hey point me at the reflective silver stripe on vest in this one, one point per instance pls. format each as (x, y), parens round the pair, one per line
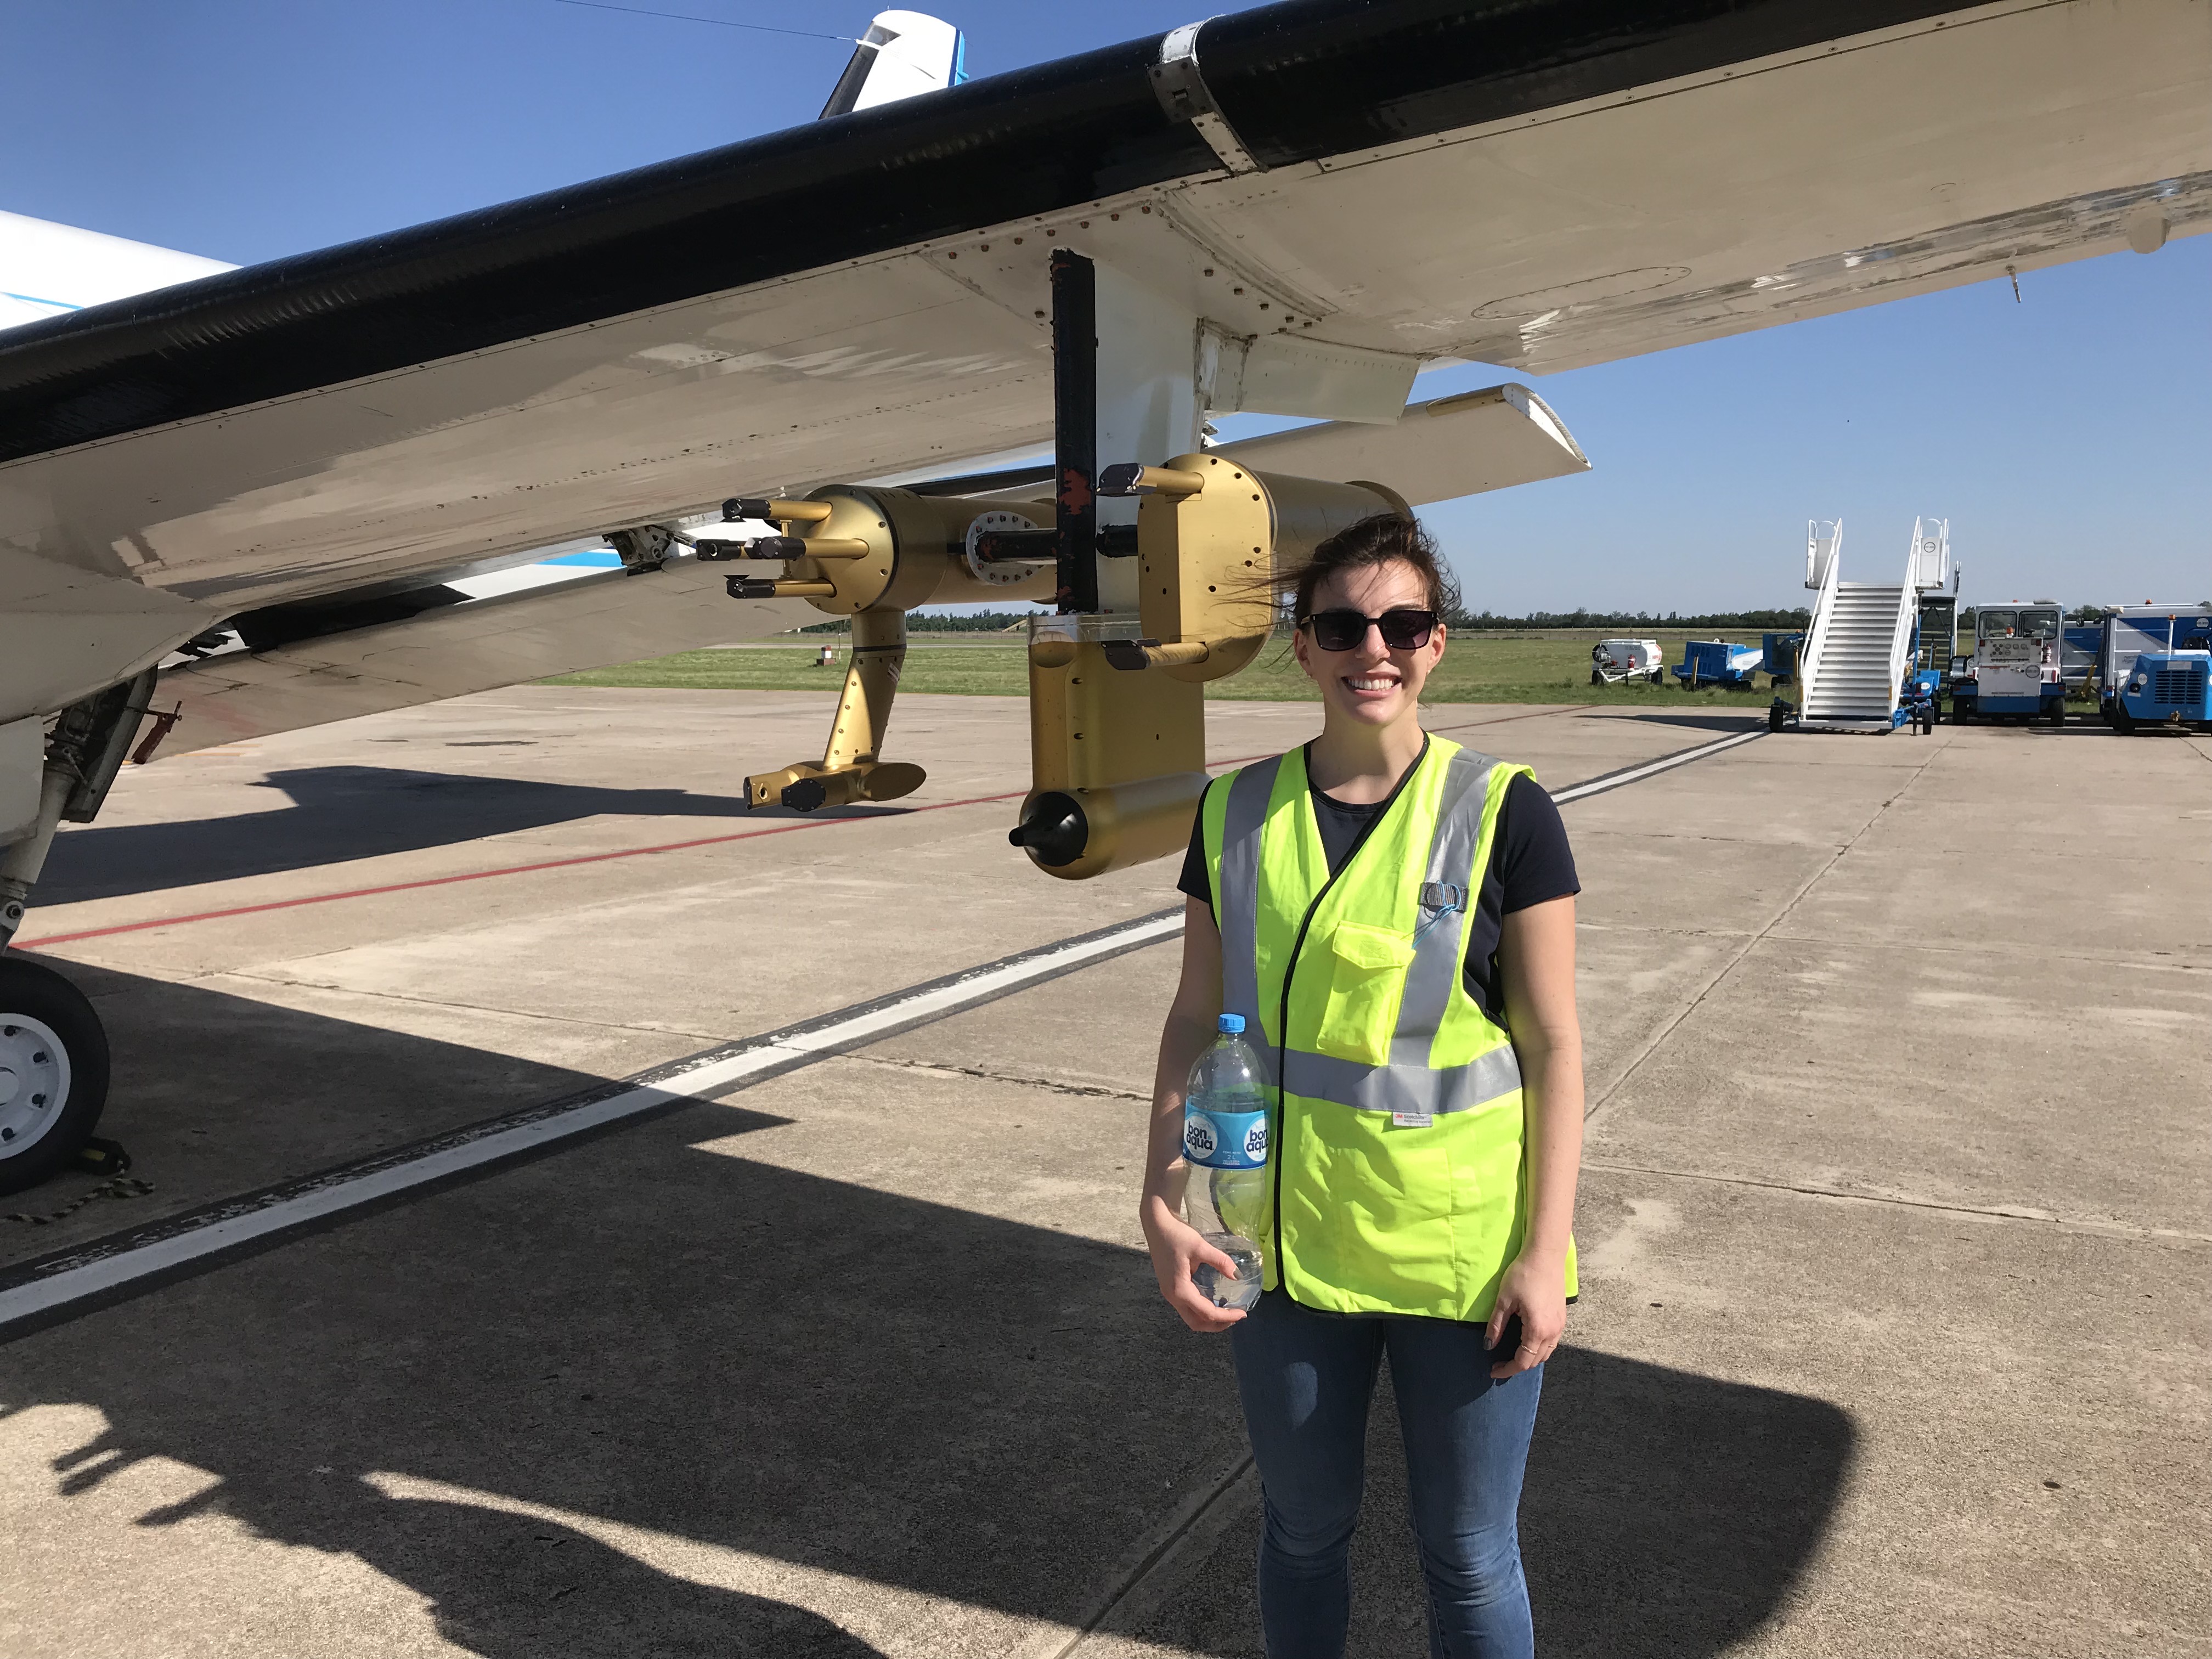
(1435, 969)
(1249, 791)
(1402, 1088)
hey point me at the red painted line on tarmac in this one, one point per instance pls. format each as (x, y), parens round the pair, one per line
(569, 863)
(483, 875)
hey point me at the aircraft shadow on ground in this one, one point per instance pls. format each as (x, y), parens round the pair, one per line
(1718, 722)
(856, 1392)
(341, 812)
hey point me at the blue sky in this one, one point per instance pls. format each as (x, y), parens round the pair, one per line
(2065, 435)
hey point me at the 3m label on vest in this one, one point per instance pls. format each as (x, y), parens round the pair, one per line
(1412, 1119)
(1224, 1141)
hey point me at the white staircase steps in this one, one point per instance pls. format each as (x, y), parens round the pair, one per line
(1851, 677)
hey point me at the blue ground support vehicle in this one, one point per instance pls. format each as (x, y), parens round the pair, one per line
(1778, 655)
(2154, 667)
(2015, 672)
(1716, 662)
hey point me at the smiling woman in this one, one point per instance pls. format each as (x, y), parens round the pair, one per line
(1426, 1127)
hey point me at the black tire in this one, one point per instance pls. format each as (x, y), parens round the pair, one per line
(1596, 679)
(1774, 717)
(51, 1044)
(2057, 714)
(2122, 722)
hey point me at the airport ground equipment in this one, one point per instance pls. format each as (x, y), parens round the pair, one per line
(1717, 662)
(1934, 646)
(2078, 648)
(2166, 690)
(2132, 636)
(1778, 656)
(1613, 661)
(1859, 670)
(2015, 672)
(2152, 667)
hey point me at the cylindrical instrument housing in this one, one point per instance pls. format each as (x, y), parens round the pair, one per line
(1212, 560)
(894, 549)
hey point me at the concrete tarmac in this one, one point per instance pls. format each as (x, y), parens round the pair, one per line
(1894, 1220)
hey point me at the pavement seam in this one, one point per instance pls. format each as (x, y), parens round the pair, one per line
(1752, 944)
(1151, 1558)
(470, 1007)
(1994, 1212)
(1047, 1084)
(1891, 947)
(1888, 947)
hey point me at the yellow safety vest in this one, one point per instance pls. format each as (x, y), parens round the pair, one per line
(1397, 1180)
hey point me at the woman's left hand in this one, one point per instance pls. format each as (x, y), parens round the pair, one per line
(1536, 1291)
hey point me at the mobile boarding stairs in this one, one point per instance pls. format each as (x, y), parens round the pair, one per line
(1859, 652)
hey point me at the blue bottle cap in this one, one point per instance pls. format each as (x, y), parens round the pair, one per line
(1232, 1024)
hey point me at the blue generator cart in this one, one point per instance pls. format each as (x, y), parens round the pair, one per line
(2154, 668)
(1716, 662)
(1778, 655)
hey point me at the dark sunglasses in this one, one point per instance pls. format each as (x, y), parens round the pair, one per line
(1405, 629)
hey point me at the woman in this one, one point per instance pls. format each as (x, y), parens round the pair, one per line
(1394, 917)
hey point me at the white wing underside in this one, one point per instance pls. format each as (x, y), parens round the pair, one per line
(1889, 164)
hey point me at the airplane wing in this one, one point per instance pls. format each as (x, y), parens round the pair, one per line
(1342, 193)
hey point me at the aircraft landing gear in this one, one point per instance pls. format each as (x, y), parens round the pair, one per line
(53, 1049)
(53, 1072)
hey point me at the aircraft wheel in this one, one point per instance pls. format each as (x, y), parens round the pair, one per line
(53, 1072)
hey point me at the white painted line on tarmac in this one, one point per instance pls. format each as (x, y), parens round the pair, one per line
(1652, 768)
(39, 1291)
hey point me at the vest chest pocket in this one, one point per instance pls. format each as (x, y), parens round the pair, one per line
(1366, 982)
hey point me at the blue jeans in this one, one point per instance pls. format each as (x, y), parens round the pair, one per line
(1306, 1378)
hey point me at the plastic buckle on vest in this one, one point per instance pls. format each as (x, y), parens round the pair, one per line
(1442, 898)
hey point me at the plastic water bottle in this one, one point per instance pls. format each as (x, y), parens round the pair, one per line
(1224, 1142)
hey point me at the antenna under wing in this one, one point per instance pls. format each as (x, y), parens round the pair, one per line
(904, 53)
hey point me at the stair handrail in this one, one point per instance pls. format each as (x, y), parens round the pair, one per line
(1824, 605)
(1908, 613)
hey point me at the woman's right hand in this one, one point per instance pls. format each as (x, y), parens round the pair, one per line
(1177, 1249)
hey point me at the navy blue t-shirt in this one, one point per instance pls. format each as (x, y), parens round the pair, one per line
(1530, 863)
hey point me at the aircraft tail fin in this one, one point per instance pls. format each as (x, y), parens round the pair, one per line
(904, 53)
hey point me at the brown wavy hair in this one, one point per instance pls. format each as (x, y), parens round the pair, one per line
(1382, 538)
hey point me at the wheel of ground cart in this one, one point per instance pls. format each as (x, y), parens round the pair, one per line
(1774, 718)
(2122, 722)
(53, 1072)
(1596, 679)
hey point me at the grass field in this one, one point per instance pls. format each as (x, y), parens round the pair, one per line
(1476, 668)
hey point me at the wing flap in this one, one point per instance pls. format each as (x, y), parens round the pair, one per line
(1436, 452)
(587, 623)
